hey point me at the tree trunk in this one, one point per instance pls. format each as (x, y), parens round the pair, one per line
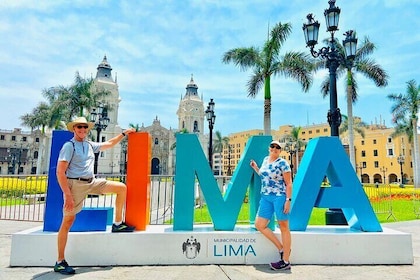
(416, 157)
(267, 106)
(350, 126)
(267, 117)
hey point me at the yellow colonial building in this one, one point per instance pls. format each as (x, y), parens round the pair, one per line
(379, 158)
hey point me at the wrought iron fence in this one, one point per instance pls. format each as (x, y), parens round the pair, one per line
(22, 197)
(416, 202)
(381, 199)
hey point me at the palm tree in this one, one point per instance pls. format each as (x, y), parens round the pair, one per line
(58, 112)
(403, 126)
(294, 143)
(406, 107)
(135, 126)
(294, 135)
(349, 67)
(63, 103)
(28, 120)
(38, 118)
(358, 125)
(268, 62)
(77, 99)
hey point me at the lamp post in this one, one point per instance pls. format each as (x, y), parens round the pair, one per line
(401, 160)
(333, 59)
(123, 159)
(360, 166)
(291, 149)
(99, 116)
(229, 171)
(332, 56)
(384, 170)
(211, 117)
(112, 165)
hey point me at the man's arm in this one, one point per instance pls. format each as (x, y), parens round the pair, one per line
(64, 185)
(115, 140)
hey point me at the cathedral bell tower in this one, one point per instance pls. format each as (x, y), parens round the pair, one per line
(109, 160)
(191, 110)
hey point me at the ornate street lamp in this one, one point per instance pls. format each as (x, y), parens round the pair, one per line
(229, 171)
(333, 59)
(401, 160)
(360, 166)
(384, 170)
(292, 150)
(332, 56)
(211, 118)
(123, 159)
(99, 116)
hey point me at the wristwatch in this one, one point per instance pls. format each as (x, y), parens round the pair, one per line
(288, 199)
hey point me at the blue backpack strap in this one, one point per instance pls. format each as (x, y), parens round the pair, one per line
(74, 149)
(90, 144)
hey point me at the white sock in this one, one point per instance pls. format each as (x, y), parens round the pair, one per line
(118, 223)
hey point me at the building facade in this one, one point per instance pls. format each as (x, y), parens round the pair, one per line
(380, 158)
(163, 140)
(24, 152)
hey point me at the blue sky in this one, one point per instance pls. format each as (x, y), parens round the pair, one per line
(155, 46)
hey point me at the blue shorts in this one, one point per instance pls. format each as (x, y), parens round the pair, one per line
(270, 204)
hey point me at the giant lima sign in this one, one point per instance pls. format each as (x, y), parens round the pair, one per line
(324, 156)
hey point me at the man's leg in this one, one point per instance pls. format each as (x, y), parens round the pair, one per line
(63, 234)
(120, 190)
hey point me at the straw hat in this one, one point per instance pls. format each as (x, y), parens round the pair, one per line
(79, 120)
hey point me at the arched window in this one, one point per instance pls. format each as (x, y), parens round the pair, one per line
(196, 126)
(156, 141)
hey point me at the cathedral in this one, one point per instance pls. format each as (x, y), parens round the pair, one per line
(191, 116)
(25, 152)
(190, 119)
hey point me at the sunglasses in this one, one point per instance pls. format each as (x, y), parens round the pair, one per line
(275, 146)
(82, 126)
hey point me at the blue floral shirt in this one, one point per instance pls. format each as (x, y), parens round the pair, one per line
(271, 174)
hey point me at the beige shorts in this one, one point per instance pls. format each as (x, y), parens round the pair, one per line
(80, 189)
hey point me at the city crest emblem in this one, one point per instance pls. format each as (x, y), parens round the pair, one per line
(191, 248)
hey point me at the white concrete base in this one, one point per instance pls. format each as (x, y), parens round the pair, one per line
(160, 245)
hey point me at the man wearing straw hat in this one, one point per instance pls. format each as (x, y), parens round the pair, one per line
(76, 178)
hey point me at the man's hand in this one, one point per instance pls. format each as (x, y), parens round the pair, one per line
(68, 202)
(129, 130)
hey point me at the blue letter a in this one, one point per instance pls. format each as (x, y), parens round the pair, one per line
(326, 156)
